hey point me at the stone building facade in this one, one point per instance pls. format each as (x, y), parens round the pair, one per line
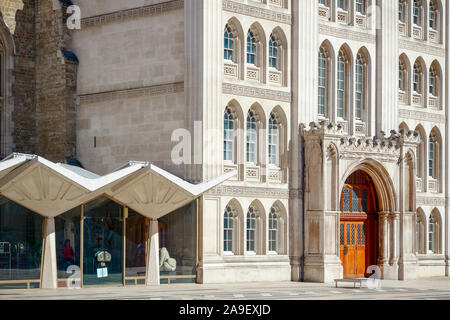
(333, 114)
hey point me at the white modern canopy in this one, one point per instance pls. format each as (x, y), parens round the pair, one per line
(51, 189)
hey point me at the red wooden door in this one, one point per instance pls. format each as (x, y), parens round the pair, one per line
(358, 228)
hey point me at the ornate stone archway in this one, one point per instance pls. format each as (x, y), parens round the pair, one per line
(331, 157)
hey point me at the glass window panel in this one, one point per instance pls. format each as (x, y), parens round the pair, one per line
(67, 232)
(20, 242)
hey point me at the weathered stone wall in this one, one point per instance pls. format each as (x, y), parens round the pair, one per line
(24, 84)
(44, 84)
(54, 104)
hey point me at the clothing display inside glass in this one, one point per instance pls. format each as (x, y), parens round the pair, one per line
(20, 242)
(67, 229)
(103, 242)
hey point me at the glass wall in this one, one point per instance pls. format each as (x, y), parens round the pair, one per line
(20, 245)
(103, 242)
(178, 245)
(136, 246)
(67, 229)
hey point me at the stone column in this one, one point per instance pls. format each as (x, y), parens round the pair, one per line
(394, 236)
(48, 265)
(152, 274)
(383, 240)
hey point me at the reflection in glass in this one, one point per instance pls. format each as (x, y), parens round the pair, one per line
(67, 229)
(103, 241)
(178, 244)
(20, 242)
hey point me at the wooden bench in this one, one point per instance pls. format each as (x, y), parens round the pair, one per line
(352, 280)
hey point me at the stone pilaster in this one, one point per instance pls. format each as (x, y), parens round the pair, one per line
(387, 60)
(49, 265)
(447, 137)
(303, 109)
(203, 87)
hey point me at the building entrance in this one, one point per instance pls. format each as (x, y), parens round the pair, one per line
(358, 225)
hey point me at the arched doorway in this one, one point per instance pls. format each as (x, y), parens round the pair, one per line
(358, 225)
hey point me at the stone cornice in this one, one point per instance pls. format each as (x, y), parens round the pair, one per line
(132, 93)
(256, 12)
(422, 47)
(252, 192)
(253, 92)
(421, 115)
(346, 34)
(144, 11)
(430, 201)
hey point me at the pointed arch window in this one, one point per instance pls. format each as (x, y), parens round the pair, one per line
(434, 14)
(228, 135)
(417, 12)
(417, 77)
(433, 88)
(273, 230)
(228, 230)
(273, 140)
(273, 53)
(359, 92)
(251, 138)
(432, 156)
(251, 230)
(323, 82)
(341, 84)
(420, 233)
(434, 234)
(251, 48)
(228, 53)
(401, 75)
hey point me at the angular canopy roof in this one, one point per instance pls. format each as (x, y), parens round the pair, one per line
(51, 189)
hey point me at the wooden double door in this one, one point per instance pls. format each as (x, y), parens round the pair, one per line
(358, 225)
(353, 248)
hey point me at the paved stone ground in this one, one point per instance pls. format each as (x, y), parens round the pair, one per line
(423, 289)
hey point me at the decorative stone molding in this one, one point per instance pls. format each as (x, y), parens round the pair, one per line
(383, 148)
(346, 34)
(251, 192)
(430, 201)
(421, 116)
(256, 12)
(144, 11)
(132, 93)
(421, 47)
(253, 92)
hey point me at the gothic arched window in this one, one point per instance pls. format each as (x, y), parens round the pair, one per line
(341, 84)
(433, 85)
(251, 230)
(360, 88)
(360, 6)
(431, 157)
(251, 48)
(273, 53)
(228, 135)
(434, 14)
(228, 230)
(401, 10)
(417, 77)
(417, 12)
(273, 140)
(273, 230)
(228, 53)
(401, 75)
(252, 150)
(323, 82)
